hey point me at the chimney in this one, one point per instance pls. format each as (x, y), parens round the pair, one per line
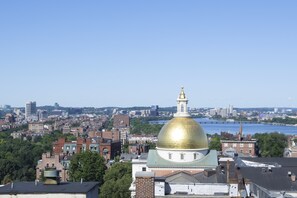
(48, 154)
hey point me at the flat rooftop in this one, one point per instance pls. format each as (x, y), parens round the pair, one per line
(41, 188)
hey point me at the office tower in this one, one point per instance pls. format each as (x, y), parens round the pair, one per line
(30, 109)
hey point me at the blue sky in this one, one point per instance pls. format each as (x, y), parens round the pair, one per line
(130, 53)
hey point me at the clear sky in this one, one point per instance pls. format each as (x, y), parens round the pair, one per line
(139, 53)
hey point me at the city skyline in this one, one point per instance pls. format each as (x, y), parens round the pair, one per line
(140, 53)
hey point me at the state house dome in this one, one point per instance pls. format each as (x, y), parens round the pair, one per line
(182, 132)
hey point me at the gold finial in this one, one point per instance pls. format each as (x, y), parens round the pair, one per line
(182, 94)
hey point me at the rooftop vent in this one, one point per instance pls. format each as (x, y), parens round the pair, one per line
(289, 173)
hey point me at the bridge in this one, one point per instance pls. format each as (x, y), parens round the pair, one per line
(225, 122)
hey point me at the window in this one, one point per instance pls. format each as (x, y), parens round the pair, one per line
(182, 156)
(169, 155)
(240, 151)
(241, 145)
(250, 145)
(143, 169)
(225, 144)
(250, 151)
(234, 145)
(182, 108)
(195, 155)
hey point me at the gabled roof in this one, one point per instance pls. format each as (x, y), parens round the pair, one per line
(181, 177)
(154, 160)
(184, 177)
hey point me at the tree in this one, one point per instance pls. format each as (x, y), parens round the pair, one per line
(89, 166)
(142, 126)
(18, 159)
(271, 144)
(215, 143)
(117, 181)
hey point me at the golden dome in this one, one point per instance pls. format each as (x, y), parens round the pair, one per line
(182, 133)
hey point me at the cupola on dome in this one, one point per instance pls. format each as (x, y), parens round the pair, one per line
(182, 132)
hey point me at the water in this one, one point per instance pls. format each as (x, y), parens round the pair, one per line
(216, 126)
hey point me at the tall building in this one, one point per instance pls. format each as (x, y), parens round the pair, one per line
(30, 109)
(154, 110)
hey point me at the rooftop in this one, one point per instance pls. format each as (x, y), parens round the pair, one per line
(40, 188)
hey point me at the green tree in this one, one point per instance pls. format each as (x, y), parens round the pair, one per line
(271, 144)
(117, 181)
(89, 166)
(142, 126)
(18, 159)
(215, 143)
(125, 147)
(152, 145)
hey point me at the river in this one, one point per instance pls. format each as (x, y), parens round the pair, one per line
(215, 126)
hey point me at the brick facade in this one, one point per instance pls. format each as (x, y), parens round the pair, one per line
(107, 148)
(247, 148)
(145, 185)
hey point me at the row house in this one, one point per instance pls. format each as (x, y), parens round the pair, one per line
(106, 147)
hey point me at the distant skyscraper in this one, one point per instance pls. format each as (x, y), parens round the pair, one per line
(56, 105)
(30, 109)
(154, 110)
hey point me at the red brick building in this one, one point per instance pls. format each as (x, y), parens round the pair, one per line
(106, 147)
(244, 148)
(113, 135)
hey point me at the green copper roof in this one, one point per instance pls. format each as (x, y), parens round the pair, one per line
(154, 160)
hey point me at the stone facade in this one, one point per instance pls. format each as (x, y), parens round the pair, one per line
(36, 127)
(50, 161)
